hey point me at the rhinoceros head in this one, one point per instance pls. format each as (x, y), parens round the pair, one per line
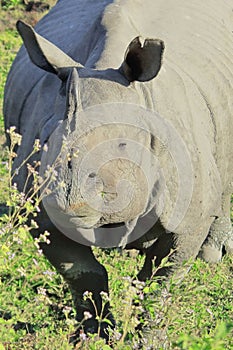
(102, 150)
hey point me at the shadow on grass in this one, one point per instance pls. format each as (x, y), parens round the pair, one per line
(3, 209)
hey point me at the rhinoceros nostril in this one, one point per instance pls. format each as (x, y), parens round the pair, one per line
(69, 164)
(152, 142)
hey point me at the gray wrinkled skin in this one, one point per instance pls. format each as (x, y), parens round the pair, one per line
(190, 85)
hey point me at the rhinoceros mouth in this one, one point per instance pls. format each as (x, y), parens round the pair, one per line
(119, 224)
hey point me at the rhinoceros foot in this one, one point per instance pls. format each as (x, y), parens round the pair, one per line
(219, 238)
(90, 326)
(228, 245)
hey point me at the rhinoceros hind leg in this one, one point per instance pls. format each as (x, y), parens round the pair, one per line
(219, 237)
(186, 246)
(228, 245)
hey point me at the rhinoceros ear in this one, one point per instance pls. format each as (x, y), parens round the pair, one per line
(42, 52)
(143, 63)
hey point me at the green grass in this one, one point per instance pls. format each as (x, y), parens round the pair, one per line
(35, 303)
(9, 45)
(12, 4)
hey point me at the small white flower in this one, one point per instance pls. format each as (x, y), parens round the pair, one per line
(34, 224)
(87, 315)
(87, 295)
(37, 209)
(22, 271)
(67, 310)
(82, 336)
(41, 291)
(104, 296)
(35, 262)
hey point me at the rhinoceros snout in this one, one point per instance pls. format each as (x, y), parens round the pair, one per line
(118, 191)
(114, 194)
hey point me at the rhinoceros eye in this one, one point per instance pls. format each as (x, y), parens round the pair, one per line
(122, 145)
(92, 175)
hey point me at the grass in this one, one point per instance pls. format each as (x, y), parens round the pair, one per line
(9, 45)
(35, 303)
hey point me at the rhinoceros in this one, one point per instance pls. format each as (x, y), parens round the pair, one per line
(136, 99)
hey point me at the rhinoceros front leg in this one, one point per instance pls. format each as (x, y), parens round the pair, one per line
(155, 254)
(83, 272)
(180, 247)
(220, 235)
